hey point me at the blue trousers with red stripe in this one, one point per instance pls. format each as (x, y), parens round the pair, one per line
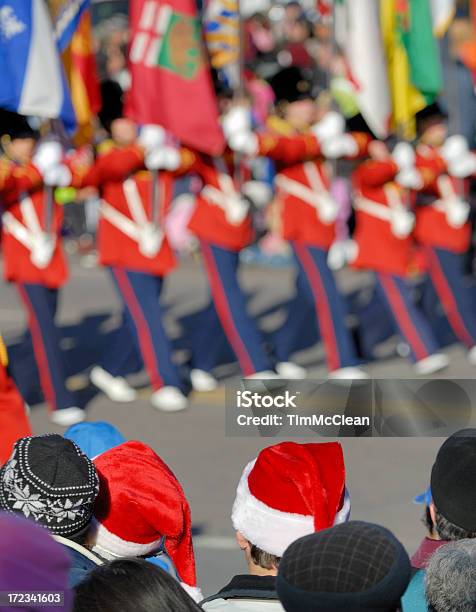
(140, 294)
(409, 320)
(41, 304)
(446, 270)
(329, 306)
(221, 266)
(299, 330)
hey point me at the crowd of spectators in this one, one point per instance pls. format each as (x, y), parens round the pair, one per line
(112, 527)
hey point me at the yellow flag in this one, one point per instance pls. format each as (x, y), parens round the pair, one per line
(406, 98)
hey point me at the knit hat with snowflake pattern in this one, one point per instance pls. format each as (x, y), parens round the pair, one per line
(51, 481)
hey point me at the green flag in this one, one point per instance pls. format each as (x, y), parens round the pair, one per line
(422, 50)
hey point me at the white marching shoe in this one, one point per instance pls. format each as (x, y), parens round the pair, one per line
(264, 375)
(349, 373)
(115, 388)
(290, 370)
(430, 365)
(472, 355)
(202, 380)
(68, 416)
(169, 399)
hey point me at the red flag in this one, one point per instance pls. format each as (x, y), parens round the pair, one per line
(171, 81)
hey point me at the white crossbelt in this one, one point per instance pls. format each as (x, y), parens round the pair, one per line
(234, 206)
(30, 234)
(316, 194)
(149, 236)
(401, 220)
(451, 204)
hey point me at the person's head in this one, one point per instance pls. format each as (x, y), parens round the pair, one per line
(352, 566)
(294, 95)
(124, 131)
(142, 509)
(51, 481)
(288, 491)
(131, 585)
(30, 560)
(450, 578)
(453, 506)
(432, 126)
(18, 137)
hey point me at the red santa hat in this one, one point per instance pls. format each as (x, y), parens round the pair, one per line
(289, 491)
(141, 506)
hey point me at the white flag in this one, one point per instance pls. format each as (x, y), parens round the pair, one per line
(442, 12)
(359, 35)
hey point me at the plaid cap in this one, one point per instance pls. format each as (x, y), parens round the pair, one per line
(352, 566)
(51, 481)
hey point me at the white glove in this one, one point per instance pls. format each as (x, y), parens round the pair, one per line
(341, 253)
(236, 120)
(330, 126)
(340, 146)
(402, 223)
(409, 178)
(151, 238)
(163, 158)
(151, 137)
(237, 210)
(463, 167)
(259, 192)
(57, 176)
(236, 126)
(47, 155)
(403, 155)
(457, 212)
(43, 249)
(455, 148)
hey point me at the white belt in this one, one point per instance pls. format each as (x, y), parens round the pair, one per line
(316, 195)
(31, 235)
(400, 219)
(149, 236)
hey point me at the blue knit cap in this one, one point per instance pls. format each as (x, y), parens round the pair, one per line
(94, 438)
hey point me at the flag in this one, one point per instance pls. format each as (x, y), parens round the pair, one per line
(412, 60)
(80, 65)
(222, 37)
(66, 16)
(442, 12)
(423, 52)
(171, 81)
(358, 33)
(33, 81)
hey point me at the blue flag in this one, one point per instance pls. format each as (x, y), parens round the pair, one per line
(32, 78)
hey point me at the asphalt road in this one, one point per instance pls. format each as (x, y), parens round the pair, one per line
(383, 474)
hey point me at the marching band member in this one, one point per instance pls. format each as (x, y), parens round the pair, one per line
(442, 221)
(33, 255)
(384, 244)
(133, 245)
(308, 210)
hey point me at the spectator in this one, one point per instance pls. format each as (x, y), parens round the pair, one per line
(289, 491)
(353, 567)
(452, 510)
(142, 510)
(131, 585)
(94, 438)
(22, 544)
(451, 578)
(50, 481)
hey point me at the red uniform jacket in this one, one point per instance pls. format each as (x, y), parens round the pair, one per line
(221, 215)
(30, 254)
(440, 195)
(379, 203)
(14, 422)
(126, 236)
(308, 210)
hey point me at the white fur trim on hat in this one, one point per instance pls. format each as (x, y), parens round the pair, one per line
(110, 546)
(269, 529)
(194, 592)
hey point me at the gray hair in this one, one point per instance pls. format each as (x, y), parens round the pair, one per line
(450, 579)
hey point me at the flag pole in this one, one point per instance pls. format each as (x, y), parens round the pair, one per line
(240, 90)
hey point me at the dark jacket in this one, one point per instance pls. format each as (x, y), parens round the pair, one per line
(245, 593)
